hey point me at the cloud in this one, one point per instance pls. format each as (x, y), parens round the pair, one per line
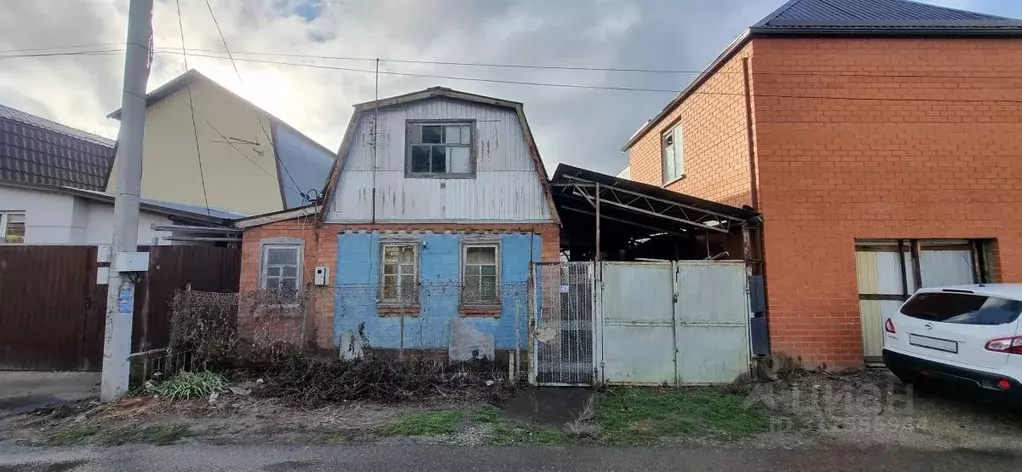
(580, 127)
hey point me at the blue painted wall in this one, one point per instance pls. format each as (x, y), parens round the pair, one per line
(356, 290)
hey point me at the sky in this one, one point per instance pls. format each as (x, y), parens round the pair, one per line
(585, 128)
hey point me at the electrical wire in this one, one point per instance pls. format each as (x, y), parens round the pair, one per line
(200, 52)
(64, 54)
(460, 64)
(633, 89)
(191, 107)
(59, 48)
(435, 76)
(259, 120)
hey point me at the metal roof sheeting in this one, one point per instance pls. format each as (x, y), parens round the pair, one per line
(38, 151)
(896, 14)
(301, 159)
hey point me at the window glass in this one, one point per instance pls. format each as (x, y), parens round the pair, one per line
(460, 158)
(12, 228)
(452, 134)
(399, 282)
(480, 275)
(439, 160)
(281, 272)
(432, 134)
(420, 159)
(962, 308)
(673, 165)
(282, 255)
(438, 150)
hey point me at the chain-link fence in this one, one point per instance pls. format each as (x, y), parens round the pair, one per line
(563, 331)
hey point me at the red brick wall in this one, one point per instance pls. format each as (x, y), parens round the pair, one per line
(715, 140)
(321, 250)
(831, 171)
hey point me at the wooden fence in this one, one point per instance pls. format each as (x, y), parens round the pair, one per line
(52, 311)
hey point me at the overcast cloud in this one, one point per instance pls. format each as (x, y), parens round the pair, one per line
(579, 127)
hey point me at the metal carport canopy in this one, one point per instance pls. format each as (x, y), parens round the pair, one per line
(642, 206)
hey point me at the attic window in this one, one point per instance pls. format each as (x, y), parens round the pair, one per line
(440, 149)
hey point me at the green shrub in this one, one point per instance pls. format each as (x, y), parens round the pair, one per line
(189, 385)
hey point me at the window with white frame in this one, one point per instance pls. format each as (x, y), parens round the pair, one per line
(399, 284)
(282, 274)
(480, 274)
(12, 227)
(440, 149)
(674, 154)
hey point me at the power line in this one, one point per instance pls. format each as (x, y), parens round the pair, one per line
(67, 53)
(195, 129)
(630, 89)
(464, 64)
(494, 65)
(239, 151)
(435, 76)
(259, 120)
(59, 48)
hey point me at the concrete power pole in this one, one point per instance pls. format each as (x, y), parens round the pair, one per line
(120, 300)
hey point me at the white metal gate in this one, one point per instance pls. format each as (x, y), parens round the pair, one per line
(637, 326)
(562, 324)
(675, 323)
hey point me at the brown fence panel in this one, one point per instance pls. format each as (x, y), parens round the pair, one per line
(173, 268)
(49, 310)
(53, 314)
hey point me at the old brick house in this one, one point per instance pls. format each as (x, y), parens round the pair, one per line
(880, 140)
(432, 215)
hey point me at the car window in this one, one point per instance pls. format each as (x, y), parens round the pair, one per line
(962, 308)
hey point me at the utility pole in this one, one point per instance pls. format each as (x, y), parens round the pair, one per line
(125, 260)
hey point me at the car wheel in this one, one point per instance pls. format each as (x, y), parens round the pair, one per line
(906, 378)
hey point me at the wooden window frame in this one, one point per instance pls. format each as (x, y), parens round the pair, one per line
(412, 125)
(481, 308)
(398, 307)
(5, 221)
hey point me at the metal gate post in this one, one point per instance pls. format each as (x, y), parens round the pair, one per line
(597, 329)
(675, 304)
(534, 304)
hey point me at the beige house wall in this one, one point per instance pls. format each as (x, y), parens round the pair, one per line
(240, 172)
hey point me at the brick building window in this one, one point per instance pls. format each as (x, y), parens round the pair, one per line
(480, 272)
(440, 149)
(399, 278)
(673, 154)
(12, 227)
(282, 272)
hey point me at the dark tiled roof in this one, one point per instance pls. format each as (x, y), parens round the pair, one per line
(878, 14)
(38, 151)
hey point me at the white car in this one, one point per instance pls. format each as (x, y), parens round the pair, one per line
(966, 335)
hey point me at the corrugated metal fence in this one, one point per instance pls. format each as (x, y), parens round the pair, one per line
(52, 312)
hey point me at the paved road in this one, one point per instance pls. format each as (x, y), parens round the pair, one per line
(22, 392)
(422, 458)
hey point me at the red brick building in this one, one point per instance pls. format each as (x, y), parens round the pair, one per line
(881, 142)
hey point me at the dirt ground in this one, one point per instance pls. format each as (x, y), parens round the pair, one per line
(873, 408)
(870, 408)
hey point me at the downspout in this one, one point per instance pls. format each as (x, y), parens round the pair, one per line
(754, 197)
(753, 171)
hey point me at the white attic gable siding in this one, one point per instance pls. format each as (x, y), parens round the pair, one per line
(506, 187)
